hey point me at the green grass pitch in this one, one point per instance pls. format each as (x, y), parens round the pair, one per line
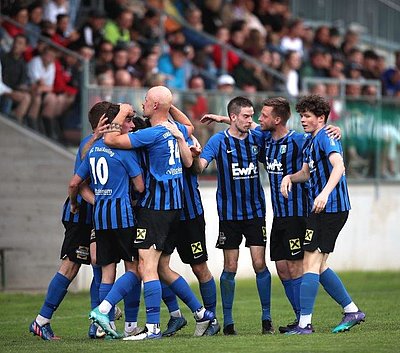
(377, 293)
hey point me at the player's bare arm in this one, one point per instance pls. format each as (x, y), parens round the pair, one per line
(336, 174)
(86, 192)
(115, 138)
(334, 131)
(185, 153)
(101, 128)
(138, 183)
(300, 177)
(182, 118)
(73, 190)
(210, 118)
(199, 164)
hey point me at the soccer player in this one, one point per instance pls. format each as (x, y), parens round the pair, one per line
(160, 205)
(241, 205)
(111, 172)
(75, 248)
(324, 168)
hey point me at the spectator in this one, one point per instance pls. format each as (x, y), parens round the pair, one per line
(211, 19)
(149, 69)
(134, 55)
(15, 77)
(53, 8)
(370, 65)
(92, 32)
(337, 69)
(223, 36)
(391, 78)
(293, 41)
(322, 39)
(319, 64)
(334, 44)
(290, 69)
(255, 43)
(104, 56)
(119, 30)
(33, 26)
(194, 36)
(120, 58)
(149, 29)
(62, 36)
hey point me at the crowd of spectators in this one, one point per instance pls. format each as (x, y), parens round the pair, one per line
(130, 44)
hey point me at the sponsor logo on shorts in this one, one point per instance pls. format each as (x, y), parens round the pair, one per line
(294, 244)
(264, 231)
(140, 235)
(308, 236)
(221, 238)
(196, 248)
(82, 253)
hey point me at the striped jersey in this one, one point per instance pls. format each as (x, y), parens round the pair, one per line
(162, 167)
(283, 157)
(316, 155)
(110, 171)
(84, 216)
(192, 206)
(240, 195)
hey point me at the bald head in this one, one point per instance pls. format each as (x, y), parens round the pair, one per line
(157, 104)
(161, 95)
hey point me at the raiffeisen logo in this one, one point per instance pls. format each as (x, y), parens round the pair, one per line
(244, 173)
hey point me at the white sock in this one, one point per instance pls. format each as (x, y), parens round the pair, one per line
(199, 313)
(105, 307)
(153, 328)
(176, 313)
(305, 320)
(41, 320)
(351, 308)
(130, 326)
(112, 324)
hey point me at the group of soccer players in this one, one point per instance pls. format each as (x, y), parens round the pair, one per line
(144, 191)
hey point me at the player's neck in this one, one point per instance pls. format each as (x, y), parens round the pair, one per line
(234, 132)
(158, 119)
(319, 128)
(279, 132)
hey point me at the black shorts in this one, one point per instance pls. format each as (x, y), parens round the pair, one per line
(154, 229)
(323, 230)
(114, 245)
(287, 236)
(190, 240)
(231, 233)
(76, 243)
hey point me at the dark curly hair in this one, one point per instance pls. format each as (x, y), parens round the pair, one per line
(315, 104)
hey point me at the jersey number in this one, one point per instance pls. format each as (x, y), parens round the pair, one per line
(173, 151)
(99, 170)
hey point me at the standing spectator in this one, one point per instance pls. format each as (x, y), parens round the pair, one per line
(290, 69)
(15, 77)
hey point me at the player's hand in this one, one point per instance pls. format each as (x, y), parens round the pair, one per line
(101, 127)
(210, 118)
(173, 129)
(196, 150)
(74, 208)
(286, 186)
(127, 109)
(334, 132)
(320, 203)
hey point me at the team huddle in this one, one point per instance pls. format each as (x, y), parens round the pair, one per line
(135, 197)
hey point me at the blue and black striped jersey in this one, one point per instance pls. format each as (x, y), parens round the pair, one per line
(240, 195)
(283, 157)
(84, 216)
(162, 167)
(110, 171)
(316, 154)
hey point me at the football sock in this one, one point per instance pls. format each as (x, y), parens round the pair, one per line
(153, 328)
(263, 280)
(152, 300)
(305, 320)
(308, 292)
(181, 288)
(351, 308)
(130, 326)
(169, 298)
(208, 291)
(334, 287)
(104, 305)
(296, 284)
(227, 284)
(94, 286)
(122, 287)
(132, 302)
(55, 294)
(288, 287)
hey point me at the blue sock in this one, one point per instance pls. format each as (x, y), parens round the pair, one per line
(288, 286)
(263, 280)
(227, 283)
(55, 294)
(152, 300)
(132, 301)
(334, 287)
(122, 287)
(296, 284)
(103, 291)
(94, 287)
(308, 292)
(169, 298)
(181, 288)
(208, 291)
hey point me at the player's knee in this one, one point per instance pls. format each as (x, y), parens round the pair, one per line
(259, 265)
(202, 272)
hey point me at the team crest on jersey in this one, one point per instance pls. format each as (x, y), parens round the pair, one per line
(282, 149)
(254, 149)
(141, 234)
(309, 234)
(294, 244)
(264, 231)
(82, 253)
(196, 248)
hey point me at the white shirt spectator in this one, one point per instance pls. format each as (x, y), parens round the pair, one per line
(3, 87)
(54, 8)
(37, 71)
(292, 44)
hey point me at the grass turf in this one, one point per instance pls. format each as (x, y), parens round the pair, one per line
(376, 293)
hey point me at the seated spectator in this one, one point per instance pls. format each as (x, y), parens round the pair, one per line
(62, 36)
(118, 31)
(293, 41)
(193, 36)
(290, 69)
(370, 65)
(53, 8)
(223, 36)
(92, 32)
(134, 55)
(319, 64)
(322, 39)
(148, 29)
(33, 27)
(120, 57)
(16, 99)
(391, 78)
(104, 55)
(19, 15)
(149, 69)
